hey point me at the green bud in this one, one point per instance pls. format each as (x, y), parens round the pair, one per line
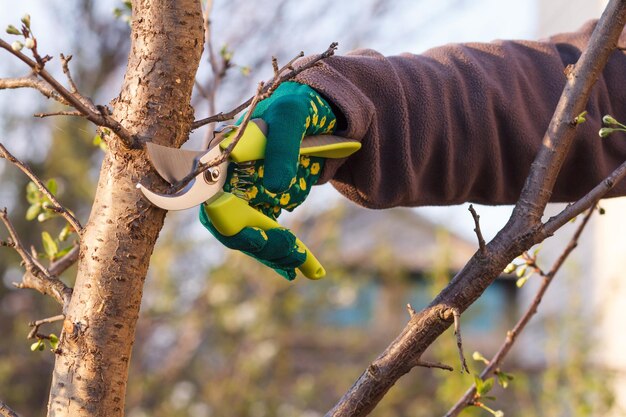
(38, 345)
(510, 268)
(609, 120)
(12, 30)
(17, 46)
(26, 20)
(605, 131)
(520, 282)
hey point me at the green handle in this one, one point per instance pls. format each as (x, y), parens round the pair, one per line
(230, 215)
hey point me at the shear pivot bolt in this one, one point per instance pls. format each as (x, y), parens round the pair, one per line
(211, 175)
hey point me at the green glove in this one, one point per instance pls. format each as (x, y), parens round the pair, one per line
(283, 179)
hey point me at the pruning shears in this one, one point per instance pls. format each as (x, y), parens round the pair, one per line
(229, 213)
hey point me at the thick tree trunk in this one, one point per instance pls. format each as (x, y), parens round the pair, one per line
(91, 369)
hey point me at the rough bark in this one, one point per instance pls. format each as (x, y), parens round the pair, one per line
(91, 367)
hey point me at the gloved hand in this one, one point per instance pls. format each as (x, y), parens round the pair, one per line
(283, 179)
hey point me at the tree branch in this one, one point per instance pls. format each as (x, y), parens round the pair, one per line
(33, 334)
(31, 81)
(269, 87)
(459, 340)
(512, 335)
(6, 411)
(57, 207)
(38, 278)
(59, 113)
(523, 230)
(479, 234)
(76, 100)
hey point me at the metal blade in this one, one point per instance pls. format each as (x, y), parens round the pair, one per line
(196, 192)
(172, 164)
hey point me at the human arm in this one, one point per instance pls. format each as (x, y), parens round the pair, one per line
(463, 122)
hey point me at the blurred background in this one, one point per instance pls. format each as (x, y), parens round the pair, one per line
(220, 335)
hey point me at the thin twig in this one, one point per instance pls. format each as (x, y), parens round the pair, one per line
(439, 365)
(4, 153)
(226, 152)
(65, 60)
(220, 117)
(411, 310)
(6, 411)
(75, 99)
(32, 81)
(60, 113)
(275, 67)
(33, 334)
(479, 234)
(459, 341)
(512, 335)
(591, 198)
(39, 279)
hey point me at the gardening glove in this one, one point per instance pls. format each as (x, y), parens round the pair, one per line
(283, 179)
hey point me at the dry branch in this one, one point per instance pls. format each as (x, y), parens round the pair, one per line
(33, 334)
(523, 230)
(270, 86)
(6, 411)
(479, 233)
(57, 207)
(74, 98)
(32, 81)
(512, 335)
(59, 113)
(38, 278)
(263, 92)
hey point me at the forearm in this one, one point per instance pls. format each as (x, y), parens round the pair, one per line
(463, 122)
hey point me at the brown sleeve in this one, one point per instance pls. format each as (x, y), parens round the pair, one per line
(463, 122)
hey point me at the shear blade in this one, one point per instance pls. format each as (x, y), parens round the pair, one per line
(192, 195)
(172, 164)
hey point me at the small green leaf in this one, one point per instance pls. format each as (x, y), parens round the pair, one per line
(504, 378)
(12, 30)
(54, 341)
(226, 54)
(52, 186)
(485, 386)
(36, 346)
(49, 245)
(33, 211)
(65, 232)
(478, 382)
(581, 118)
(32, 193)
(63, 252)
